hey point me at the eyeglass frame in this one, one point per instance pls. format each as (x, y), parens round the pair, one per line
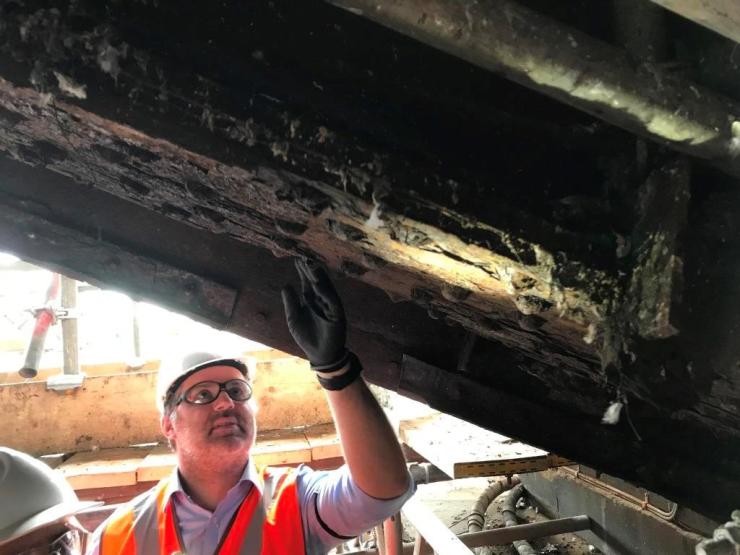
(221, 387)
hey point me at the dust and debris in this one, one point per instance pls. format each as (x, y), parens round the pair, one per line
(623, 245)
(374, 221)
(258, 55)
(70, 87)
(243, 132)
(529, 304)
(612, 413)
(207, 117)
(280, 150)
(591, 334)
(323, 135)
(455, 293)
(109, 56)
(293, 129)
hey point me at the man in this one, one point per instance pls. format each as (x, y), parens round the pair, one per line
(37, 508)
(217, 502)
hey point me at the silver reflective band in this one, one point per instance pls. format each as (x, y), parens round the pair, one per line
(204, 393)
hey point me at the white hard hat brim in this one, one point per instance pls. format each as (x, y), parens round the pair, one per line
(47, 517)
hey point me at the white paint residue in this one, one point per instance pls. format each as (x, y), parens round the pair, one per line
(612, 413)
(70, 87)
(590, 334)
(374, 222)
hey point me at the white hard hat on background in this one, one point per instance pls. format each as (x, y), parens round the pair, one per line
(32, 496)
(173, 373)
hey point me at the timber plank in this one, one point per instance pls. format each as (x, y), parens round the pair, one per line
(119, 410)
(281, 447)
(452, 444)
(324, 442)
(157, 464)
(103, 468)
(288, 395)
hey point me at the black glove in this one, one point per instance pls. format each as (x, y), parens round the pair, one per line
(316, 320)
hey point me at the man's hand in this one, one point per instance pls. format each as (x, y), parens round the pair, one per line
(316, 320)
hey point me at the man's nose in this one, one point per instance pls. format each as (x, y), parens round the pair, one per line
(223, 401)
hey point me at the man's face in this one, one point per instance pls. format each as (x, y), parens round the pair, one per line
(223, 428)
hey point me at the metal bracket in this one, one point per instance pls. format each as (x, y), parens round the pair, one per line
(64, 382)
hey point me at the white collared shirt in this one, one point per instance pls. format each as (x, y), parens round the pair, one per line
(333, 509)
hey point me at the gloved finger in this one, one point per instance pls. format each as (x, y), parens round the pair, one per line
(306, 287)
(294, 313)
(311, 269)
(325, 290)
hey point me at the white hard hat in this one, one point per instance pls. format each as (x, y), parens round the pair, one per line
(32, 496)
(173, 373)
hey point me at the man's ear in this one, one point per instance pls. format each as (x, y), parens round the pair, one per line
(165, 423)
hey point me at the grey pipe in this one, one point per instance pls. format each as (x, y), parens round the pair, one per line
(523, 547)
(477, 517)
(500, 536)
(572, 67)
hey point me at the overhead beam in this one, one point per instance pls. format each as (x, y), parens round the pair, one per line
(721, 16)
(569, 65)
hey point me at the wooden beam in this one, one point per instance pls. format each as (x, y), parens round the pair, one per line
(562, 62)
(88, 470)
(114, 266)
(721, 16)
(657, 466)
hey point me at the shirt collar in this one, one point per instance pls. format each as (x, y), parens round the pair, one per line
(250, 474)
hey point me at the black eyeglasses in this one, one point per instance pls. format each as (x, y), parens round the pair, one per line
(204, 393)
(69, 543)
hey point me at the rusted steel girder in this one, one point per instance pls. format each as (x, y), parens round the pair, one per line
(572, 67)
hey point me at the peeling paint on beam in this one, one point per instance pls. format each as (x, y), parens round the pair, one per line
(572, 67)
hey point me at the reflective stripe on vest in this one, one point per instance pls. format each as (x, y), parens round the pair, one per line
(262, 526)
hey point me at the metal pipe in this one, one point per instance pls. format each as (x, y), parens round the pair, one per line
(500, 536)
(530, 531)
(642, 503)
(523, 547)
(440, 538)
(71, 364)
(572, 67)
(380, 539)
(45, 317)
(426, 473)
(477, 517)
(393, 531)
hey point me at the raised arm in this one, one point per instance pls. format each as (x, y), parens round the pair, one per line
(317, 322)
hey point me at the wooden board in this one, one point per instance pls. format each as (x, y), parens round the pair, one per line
(288, 395)
(107, 411)
(281, 447)
(117, 468)
(119, 410)
(158, 463)
(454, 445)
(324, 442)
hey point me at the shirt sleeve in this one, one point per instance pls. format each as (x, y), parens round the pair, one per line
(334, 509)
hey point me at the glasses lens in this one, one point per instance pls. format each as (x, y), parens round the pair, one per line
(68, 544)
(202, 393)
(206, 392)
(238, 390)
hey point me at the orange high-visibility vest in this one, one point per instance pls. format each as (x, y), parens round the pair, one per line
(263, 525)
